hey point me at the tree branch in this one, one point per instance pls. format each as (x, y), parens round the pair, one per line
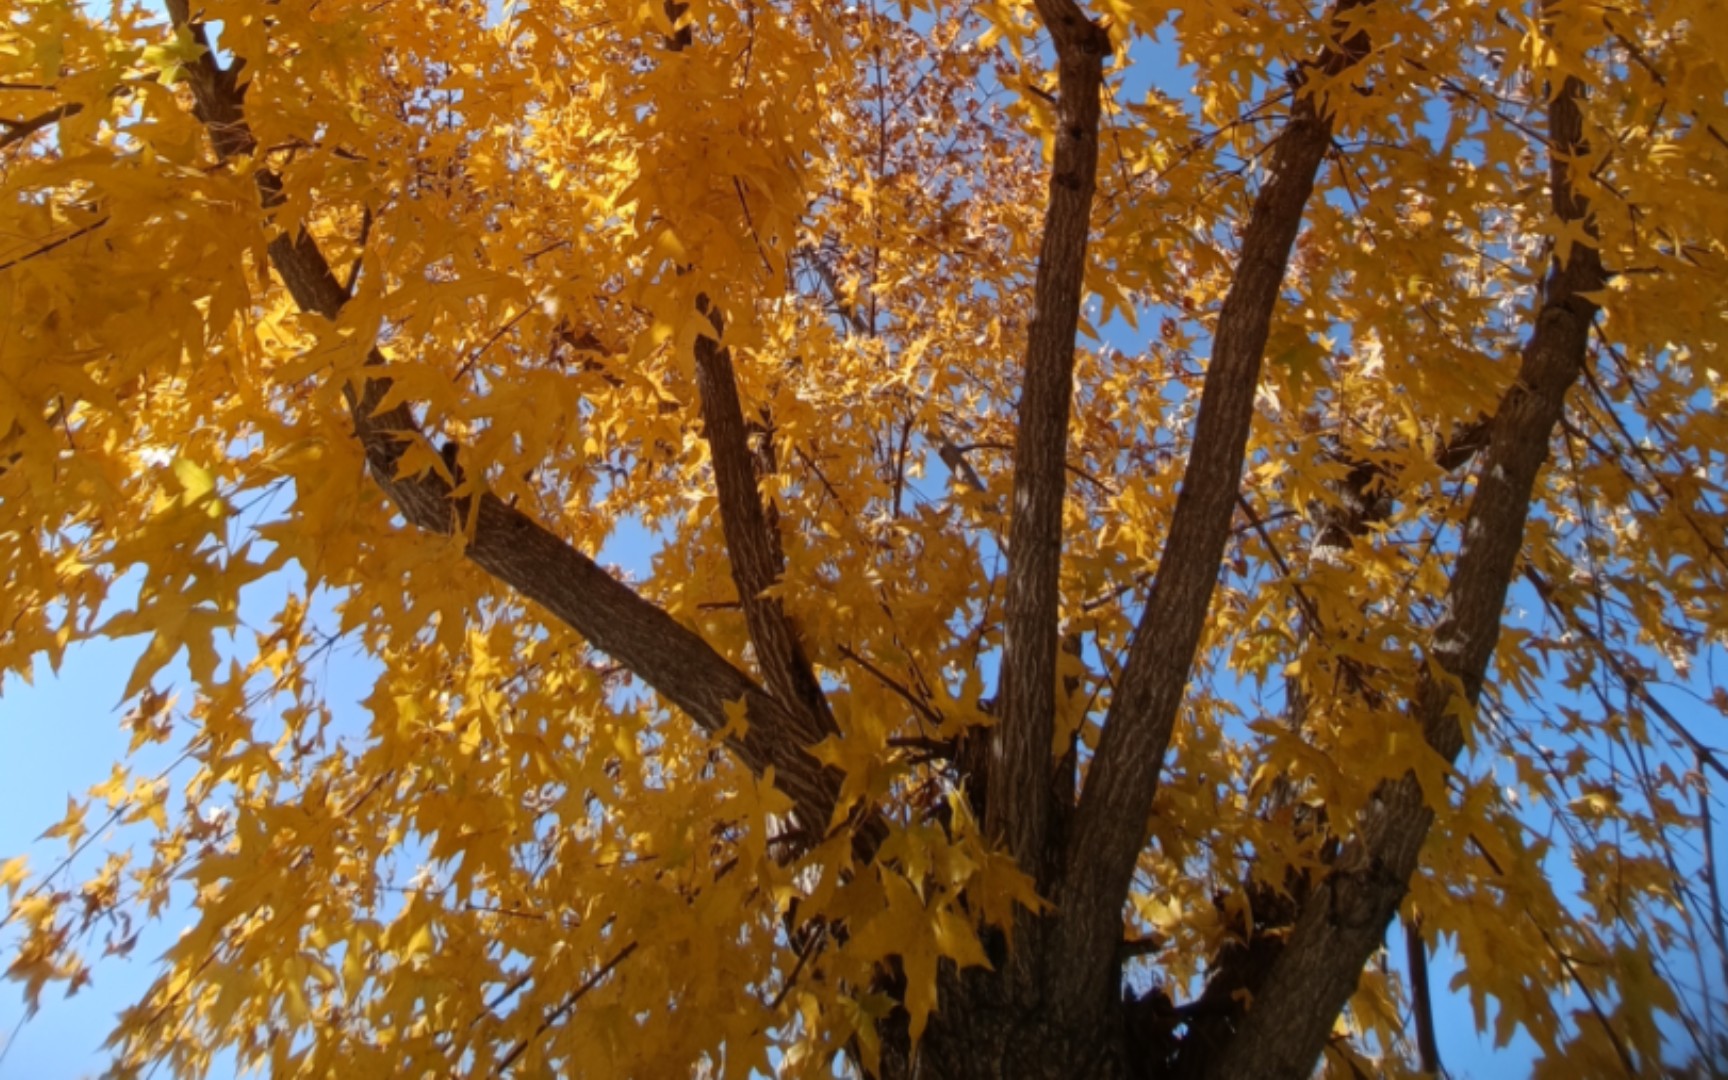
(1020, 776)
(919, 705)
(752, 541)
(1110, 824)
(1421, 997)
(575, 995)
(1345, 920)
(672, 659)
(1362, 503)
(1630, 679)
(52, 244)
(18, 130)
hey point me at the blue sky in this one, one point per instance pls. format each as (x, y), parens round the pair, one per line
(61, 736)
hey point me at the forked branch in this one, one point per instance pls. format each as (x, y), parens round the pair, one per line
(1110, 825)
(518, 551)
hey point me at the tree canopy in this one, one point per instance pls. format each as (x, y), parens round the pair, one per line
(1142, 499)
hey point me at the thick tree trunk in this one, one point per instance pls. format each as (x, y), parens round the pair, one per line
(1299, 982)
(1055, 1008)
(981, 1032)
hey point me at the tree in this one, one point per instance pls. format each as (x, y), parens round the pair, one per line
(1013, 692)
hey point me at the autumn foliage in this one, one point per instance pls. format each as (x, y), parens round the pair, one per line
(1131, 503)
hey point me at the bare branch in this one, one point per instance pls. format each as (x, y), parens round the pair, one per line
(52, 244)
(564, 1007)
(836, 297)
(919, 705)
(1422, 996)
(1630, 679)
(18, 130)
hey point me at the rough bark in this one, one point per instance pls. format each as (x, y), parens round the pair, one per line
(1110, 823)
(1345, 920)
(1365, 498)
(752, 542)
(752, 534)
(1019, 800)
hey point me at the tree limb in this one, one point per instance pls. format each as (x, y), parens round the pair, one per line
(672, 659)
(56, 243)
(1019, 800)
(752, 540)
(1345, 920)
(1630, 679)
(18, 130)
(1110, 825)
(1422, 997)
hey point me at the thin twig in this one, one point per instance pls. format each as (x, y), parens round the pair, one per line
(882, 677)
(564, 1008)
(1259, 526)
(810, 946)
(51, 245)
(468, 364)
(19, 130)
(1706, 756)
